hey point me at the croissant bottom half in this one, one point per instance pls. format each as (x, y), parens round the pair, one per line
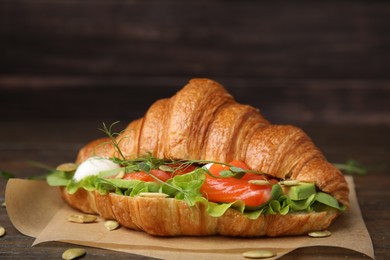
(172, 217)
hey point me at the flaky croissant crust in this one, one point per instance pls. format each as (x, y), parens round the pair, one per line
(203, 122)
(172, 217)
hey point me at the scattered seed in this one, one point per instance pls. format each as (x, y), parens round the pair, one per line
(73, 253)
(289, 182)
(111, 224)
(258, 182)
(166, 168)
(82, 218)
(258, 254)
(153, 195)
(120, 175)
(324, 233)
(2, 231)
(67, 167)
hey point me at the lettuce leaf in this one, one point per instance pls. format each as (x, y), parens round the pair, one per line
(186, 187)
(59, 178)
(328, 200)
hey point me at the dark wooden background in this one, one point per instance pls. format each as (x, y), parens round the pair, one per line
(302, 62)
(66, 66)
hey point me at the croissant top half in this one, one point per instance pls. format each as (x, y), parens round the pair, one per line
(204, 122)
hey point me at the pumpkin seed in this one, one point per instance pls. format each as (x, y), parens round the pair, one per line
(111, 224)
(73, 253)
(67, 167)
(153, 194)
(289, 182)
(166, 168)
(2, 231)
(82, 218)
(258, 254)
(258, 182)
(323, 233)
(120, 175)
(3, 204)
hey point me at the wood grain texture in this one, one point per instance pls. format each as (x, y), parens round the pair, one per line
(326, 61)
(215, 38)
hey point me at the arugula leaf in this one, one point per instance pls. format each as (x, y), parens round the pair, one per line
(59, 178)
(6, 175)
(352, 167)
(145, 166)
(226, 173)
(328, 200)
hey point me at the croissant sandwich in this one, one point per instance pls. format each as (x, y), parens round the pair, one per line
(198, 164)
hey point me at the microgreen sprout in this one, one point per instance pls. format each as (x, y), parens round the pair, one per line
(112, 136)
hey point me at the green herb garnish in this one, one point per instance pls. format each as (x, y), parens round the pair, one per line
(112, 136)
(6, 175)
(352, 167)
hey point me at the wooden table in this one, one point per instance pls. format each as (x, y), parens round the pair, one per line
(56, 142)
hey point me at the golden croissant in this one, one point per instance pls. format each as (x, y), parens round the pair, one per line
(202, 123)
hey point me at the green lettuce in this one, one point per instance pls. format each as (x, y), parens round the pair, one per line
(186, 187)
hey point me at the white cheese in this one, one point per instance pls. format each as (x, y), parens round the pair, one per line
(92, 166)
(208, 166)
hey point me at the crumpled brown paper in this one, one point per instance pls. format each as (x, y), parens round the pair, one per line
(44, 216)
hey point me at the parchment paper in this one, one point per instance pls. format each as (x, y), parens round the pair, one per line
(37, 210)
